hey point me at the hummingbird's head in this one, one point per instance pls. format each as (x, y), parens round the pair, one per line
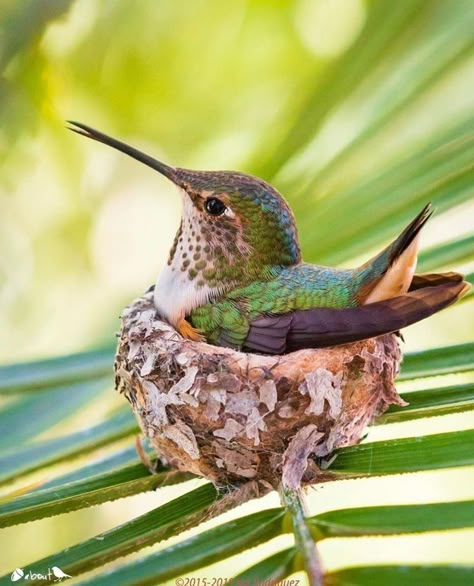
(234, 227)
(243, 223)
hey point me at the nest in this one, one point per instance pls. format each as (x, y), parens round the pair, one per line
(234, 417)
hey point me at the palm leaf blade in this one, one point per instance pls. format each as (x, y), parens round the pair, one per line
(442, 360)
(31, 457)
(106, 463)
(447, 254)
(273, 568)
(196, 552)
(395, 575)
(375, 43)
(161, 523)
(40, 374)
(44, 409)
(430, 402)
(364, 226)
(390, 520)
(71, 496)
(444, 450)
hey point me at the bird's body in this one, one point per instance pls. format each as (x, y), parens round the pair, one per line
(304, 286)
(298, 287)
(235, 276)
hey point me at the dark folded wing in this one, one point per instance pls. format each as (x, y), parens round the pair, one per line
(432, 279)
(321, 327)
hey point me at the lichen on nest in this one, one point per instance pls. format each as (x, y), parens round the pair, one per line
(234, 417)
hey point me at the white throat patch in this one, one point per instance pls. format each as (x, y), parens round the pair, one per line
(176, 295)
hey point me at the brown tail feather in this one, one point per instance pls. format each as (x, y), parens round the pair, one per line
(433, 279)
(321, 327)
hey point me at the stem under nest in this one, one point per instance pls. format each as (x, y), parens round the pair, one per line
(293, 501)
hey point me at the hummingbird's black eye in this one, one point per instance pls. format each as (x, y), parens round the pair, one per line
(214, 206)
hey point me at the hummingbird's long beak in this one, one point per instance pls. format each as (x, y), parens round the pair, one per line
(165, 170)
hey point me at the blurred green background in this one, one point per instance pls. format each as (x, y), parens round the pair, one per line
(359, 111)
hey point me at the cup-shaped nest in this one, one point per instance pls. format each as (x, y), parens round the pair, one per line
(233, 417)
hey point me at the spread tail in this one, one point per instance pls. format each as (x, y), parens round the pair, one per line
(390, 273)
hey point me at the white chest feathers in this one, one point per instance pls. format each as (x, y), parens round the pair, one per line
(176, 295)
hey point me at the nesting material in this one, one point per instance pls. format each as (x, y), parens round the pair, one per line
(234, 417)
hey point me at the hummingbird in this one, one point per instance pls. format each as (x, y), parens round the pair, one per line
(235, 277)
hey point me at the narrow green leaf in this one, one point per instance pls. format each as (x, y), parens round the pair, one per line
(385, 22)
(431, 402)
(41, 374)
(71, 496)
(402, 575)
(428, 174)
(444, 450)
(444, 360)
(447, 254)
(166, 521)
(230, 538)
(27, 417)
(365, 226)
(31, 457)
(416, 74)
(394, 519)
(116, 460)
(271, 569)
(420, 166)
(196, 552)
